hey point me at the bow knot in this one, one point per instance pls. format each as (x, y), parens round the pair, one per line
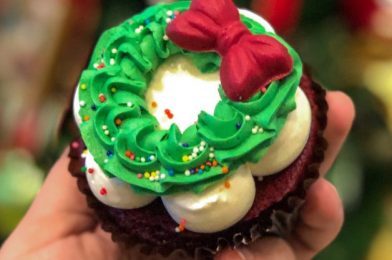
(230, 35)
(249, 62)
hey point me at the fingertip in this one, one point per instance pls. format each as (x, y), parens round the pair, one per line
(340, 115)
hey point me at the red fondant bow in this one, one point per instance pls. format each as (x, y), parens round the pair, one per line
(249, 62)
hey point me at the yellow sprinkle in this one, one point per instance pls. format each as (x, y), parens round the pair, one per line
(185, 158)
(114, 90)
(146, 175)
(83, 86)
(153, 174)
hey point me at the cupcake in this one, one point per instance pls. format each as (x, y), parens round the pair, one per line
(199, 130)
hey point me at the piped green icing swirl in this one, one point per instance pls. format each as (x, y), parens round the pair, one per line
(125, 139)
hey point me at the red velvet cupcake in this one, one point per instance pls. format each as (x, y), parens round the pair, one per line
(198, 128)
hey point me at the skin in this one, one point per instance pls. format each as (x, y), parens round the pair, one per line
(59, 224)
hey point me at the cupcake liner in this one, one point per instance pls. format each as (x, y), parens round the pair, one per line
(277, 219)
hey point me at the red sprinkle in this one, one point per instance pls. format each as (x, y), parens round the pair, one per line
(263, 89)
(75, 145)
(170, 116)
(128, 153)
(102, 98)
(132, 157)
(167, 111)
(101, 66)
(103, 191)
(90, 170)
(139, 175)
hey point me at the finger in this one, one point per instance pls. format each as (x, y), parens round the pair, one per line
(320, 221)
(341, 114)
(270, 248)
(59, 192)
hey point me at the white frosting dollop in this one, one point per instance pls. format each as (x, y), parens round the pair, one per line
(76, 107)
(112, 191)
(218, 207)
(290, 142)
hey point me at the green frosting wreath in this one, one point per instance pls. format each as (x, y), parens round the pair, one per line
(126, 140)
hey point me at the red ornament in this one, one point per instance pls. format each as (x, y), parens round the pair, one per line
(359, 13)
(282, 14)
(248, 61)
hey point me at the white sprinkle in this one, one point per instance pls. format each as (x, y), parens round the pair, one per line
(156, 178)
(201, 148)
(163, 176)
(195, 150)
(187, 173)
(114, 50)
(211, 149)
(96, 65)
(112, 61)
(194, 155)
(152, 178)
(107, 132)
(211, 155)
(255, 129)
(169, 12)
(247, 117)
(177, 229)
(261, 130)
(84, 154)
(190, 157)
(82, 103)
(142, 159)
(129, 104)
(104, 127)
(157, 172)
(106, 161)
(113, 139)
(203, 143)
(152, 157)
(168, 20)
(165, 37)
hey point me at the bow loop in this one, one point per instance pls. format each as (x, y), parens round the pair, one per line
(249, 62)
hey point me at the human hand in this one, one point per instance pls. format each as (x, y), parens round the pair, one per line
(321, 217)
(59, 224)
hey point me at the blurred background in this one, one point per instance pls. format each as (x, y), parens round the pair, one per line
(44, 45)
